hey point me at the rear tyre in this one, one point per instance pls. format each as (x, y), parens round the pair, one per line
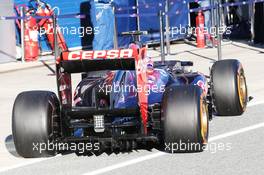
(229, 88)
(35, 122)
(185, 119)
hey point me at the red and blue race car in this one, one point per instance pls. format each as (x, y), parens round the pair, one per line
(125, 99)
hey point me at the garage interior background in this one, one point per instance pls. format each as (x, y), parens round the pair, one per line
(100, 14)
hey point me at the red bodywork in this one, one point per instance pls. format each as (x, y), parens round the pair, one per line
(140, 67)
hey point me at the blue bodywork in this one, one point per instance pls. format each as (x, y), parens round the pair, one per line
(119, 88)
(157, 83)
(123, 86)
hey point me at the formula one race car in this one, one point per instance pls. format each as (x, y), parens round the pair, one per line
(125, 99)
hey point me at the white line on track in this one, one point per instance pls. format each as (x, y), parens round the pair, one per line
(144, 158)
(159, 154)
(126, 163)
(236, 132)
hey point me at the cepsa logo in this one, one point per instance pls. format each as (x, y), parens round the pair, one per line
(98, 54)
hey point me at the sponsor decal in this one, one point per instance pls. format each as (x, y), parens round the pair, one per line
(202, 85)
(98, 54)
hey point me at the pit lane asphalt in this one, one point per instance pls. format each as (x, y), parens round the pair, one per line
(239, 154)
(245, 157)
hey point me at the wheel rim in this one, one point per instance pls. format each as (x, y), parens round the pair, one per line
(204, 121)
(242, 89)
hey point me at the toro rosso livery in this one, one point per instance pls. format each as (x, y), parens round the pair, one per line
(125, 99)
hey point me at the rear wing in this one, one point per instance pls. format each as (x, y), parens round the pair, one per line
(86, 61)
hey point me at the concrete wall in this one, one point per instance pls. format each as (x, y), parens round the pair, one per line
(7, 33)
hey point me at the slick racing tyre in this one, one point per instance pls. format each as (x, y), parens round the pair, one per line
(185, 119)
(229, 88)
(35, 122)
